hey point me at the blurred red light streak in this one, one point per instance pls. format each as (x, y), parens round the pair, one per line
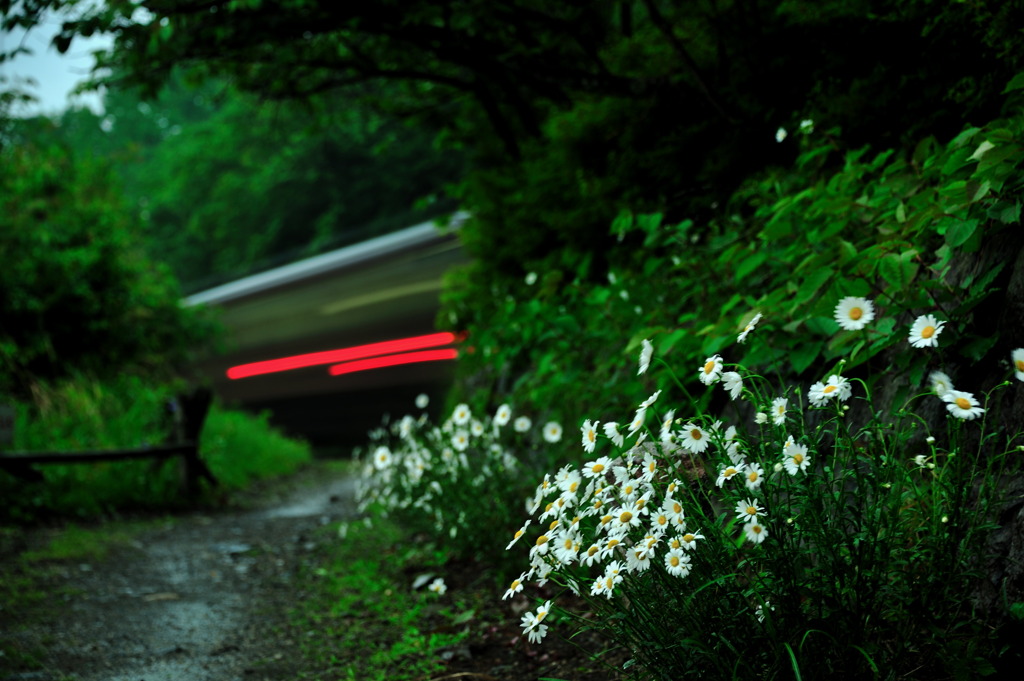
(393, 360)
(343, 355)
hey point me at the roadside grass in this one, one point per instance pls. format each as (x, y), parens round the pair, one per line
(362, 616)
(238, 447)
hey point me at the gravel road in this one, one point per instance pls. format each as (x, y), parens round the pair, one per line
(202, 598)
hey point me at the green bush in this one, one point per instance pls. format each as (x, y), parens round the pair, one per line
(809, 542)
(923, 229)
(79, 295)
(130, 412)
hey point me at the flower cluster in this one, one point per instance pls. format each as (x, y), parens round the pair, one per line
(433, 473)
(642, 507)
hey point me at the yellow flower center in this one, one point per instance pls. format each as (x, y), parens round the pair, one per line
(541, 615)
(828, 389)
(573, 487)
(677, 507)
(709, 367)
(519, 533)
(515, 584)
(1020, 364)
(674, 561)
(640, 503)
(598, 504)
(612, 543)
(553, 525)
(549, 506)
(662, 520)
(675, 544)
(751, 510)
(627, 490)
(605, 519)
(592, 550)
(695, 434)
(597, 468)
(542, 540)
(928, 332)
(568, 543)
(756, 529)
(591, 436)
(688, 538)
(625, 517)
(752, 477)
(798, 459)
(963, 403)
(856, 313)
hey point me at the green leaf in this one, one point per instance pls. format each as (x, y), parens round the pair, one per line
(1016, 83)
(812, 284)
(959, 232)
(898, 270)
(750, 264)
(804, 355)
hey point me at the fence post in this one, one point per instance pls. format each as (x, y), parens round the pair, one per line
(194, 408)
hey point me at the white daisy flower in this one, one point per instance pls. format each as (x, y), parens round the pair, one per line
(591, 555)
(853, 313)
(754, 475)
(461, 415)
(552, 431)
(779, 405)
(755, 532)
(688, 541)
(438, 586)
(597, 468)
(747, 510)
(515, 587)
(711, 370)
(962, 405)
(589, 435)
(674, 510)
(940, 383)
(677, 563)
(925, 332)
(519, 533)
(624, 518)
(638, 559)
(650, 400)
(638, 420)
(522, 424)
(837, 387)
(460, 440)
(666, 426)
(381, 458)
(611, 429)
(795, 458)
(727, 474)
(503, 415)
(732, 382)
(1018, 363)
(694, 438)
(646, 350)
(742, 338)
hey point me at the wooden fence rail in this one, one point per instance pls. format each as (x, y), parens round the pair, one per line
(189, 413)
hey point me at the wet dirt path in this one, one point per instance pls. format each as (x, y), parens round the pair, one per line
(203, 598)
